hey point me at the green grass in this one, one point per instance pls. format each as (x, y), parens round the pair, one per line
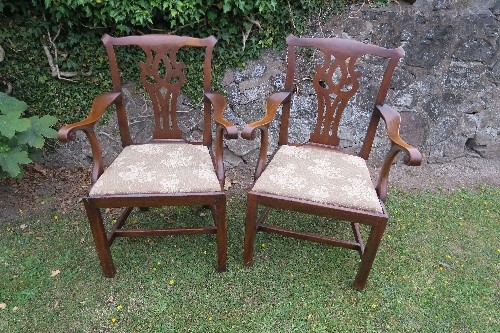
(437, 271)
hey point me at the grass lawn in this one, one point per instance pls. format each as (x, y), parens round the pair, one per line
(437, 271)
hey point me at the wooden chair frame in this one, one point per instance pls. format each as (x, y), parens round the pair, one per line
(346, 52)
(158, 49)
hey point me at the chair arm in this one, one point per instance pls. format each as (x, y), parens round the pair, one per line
(67, 133)
(223, 129)
(392, 120)
(99, 106)
(249, 131)
(413, 157)
(272, 104)
(219, 103)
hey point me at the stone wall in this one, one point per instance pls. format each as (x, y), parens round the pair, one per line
(446, 87)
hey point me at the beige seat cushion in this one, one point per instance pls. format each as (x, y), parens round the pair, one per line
(159, 168)
(320, 175)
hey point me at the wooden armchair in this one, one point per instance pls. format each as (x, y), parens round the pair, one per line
(318, 177)
(167, 170)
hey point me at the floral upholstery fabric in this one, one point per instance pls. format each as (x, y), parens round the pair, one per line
(321, 176)
(159, 168)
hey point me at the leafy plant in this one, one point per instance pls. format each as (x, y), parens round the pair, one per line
(243, 27)
(20, 137)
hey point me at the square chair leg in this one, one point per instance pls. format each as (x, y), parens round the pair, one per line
(250, 230)
(220, 222)
(100, 238)
(368, 256)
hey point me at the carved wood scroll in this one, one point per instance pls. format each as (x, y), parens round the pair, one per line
(163, 77)
(335, 82)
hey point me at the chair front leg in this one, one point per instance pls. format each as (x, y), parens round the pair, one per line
(376, 234)
(100, 238)
(220, 222)
(250, 230)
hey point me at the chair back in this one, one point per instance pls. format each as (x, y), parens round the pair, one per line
(336, 79)
(162, 76)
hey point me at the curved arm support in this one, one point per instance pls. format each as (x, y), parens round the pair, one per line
(272, 104)
(219, 103)
(250, 130)
(67, 133)
(223, 129)
(413, 157)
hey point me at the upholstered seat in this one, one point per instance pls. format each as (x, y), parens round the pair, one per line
(159, 168)
(330, 178)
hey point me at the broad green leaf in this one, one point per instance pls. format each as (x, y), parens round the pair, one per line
(10, 161)
(11, 104)
(4, 147)
(40, 128)
(11, 123)
(44, 125)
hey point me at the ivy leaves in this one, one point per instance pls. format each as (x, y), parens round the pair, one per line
(20, 137)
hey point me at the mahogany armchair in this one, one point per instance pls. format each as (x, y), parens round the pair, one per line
(167, 170)
(319, 177)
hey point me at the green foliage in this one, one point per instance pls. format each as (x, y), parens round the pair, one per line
(20, 137)
(74, 27)
(126, 15)
(26, 66)
(265, 21)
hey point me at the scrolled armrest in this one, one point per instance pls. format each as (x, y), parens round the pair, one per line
(99, 106)
(249, 131)
(219, 103)
(392, 120)
(224, 128)
(272, 104)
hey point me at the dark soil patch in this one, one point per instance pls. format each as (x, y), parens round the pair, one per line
(60, 189)
(42, 189)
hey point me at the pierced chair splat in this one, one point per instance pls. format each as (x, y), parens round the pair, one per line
(318, 177)
(167, 170)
